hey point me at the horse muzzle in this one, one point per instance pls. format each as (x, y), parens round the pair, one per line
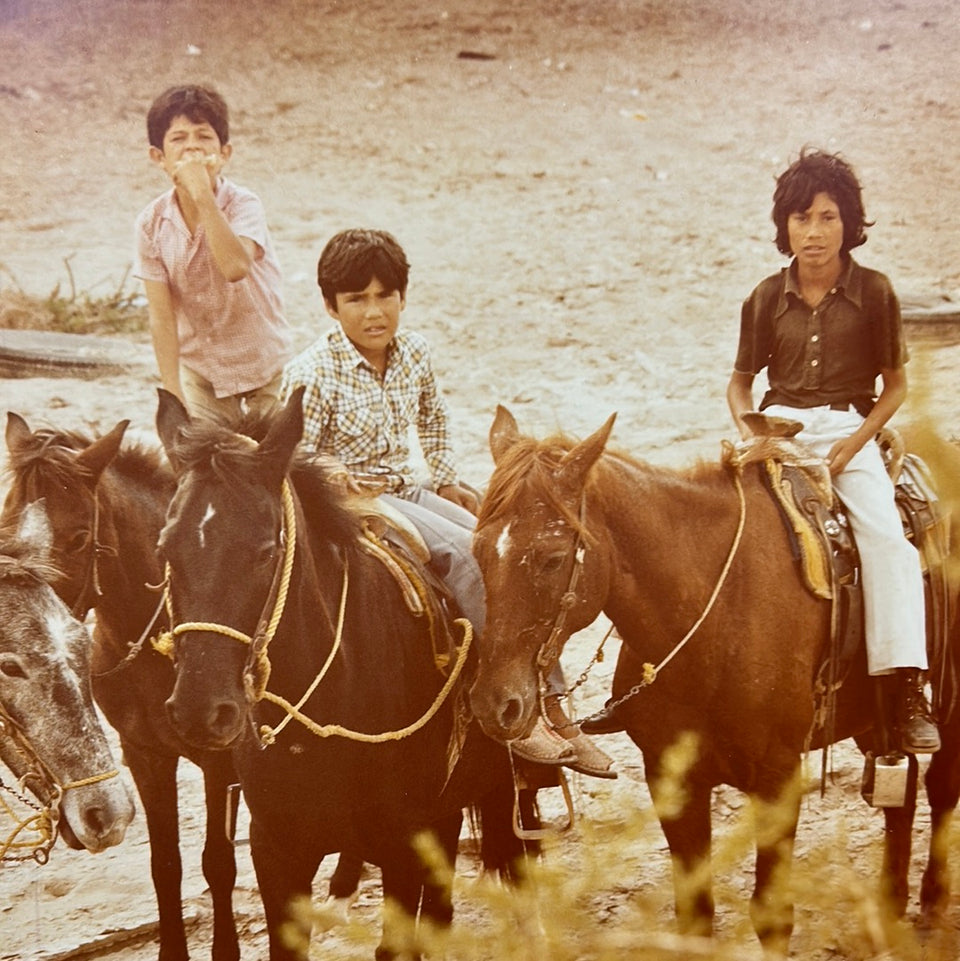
(504, 711)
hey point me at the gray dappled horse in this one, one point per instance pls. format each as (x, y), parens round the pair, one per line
(50, 735)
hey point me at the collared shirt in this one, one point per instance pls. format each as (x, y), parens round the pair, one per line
(831, 353)
(365, 421)
(233, 334)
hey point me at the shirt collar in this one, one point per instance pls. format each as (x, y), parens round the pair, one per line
(849, 283)
(344, 350)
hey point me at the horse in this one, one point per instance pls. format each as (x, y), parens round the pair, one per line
(50, 735)
(106, 502)
(720, 637)
(282, 614)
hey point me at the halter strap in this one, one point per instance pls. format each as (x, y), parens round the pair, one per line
(549, 652)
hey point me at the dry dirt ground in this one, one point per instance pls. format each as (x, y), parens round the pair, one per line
(583, 188)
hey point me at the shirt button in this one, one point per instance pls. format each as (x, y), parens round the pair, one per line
(815, 338)
(814, 363)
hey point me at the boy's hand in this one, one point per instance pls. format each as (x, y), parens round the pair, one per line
(192, 174)
(460, 496)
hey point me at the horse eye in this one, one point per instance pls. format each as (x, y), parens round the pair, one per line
(78, 542)
(11, 667)
(552, 564)
(266, 555)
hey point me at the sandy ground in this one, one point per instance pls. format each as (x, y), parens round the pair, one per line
(583, 189)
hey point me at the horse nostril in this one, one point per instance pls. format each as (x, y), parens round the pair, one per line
(511, 710)
(225, 719)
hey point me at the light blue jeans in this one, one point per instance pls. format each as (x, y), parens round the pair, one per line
(447, 530)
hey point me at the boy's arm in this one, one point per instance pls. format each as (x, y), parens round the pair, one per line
(163, 331)
(437, 452)
(233, 255)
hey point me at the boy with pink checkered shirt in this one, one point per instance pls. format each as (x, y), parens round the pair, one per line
(204, 254)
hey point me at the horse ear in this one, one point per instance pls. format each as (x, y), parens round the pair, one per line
(172, 418)
(576, 463)
(101, 452)
(34, 529)
(285, 432)
(504, 433)
(18, 431)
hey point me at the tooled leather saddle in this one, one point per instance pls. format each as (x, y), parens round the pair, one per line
(825, 549)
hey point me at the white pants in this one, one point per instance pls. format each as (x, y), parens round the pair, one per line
(893, 596)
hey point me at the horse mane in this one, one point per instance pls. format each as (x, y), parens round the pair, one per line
(50, 454)
(19, 562)
(231, 451)
(530, 466)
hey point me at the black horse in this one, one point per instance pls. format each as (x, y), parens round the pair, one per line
(296, 648)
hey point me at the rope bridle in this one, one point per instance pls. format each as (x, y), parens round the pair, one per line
(32, 837)
(90, 590)
(257, 669)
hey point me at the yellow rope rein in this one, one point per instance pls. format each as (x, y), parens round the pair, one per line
(337, 730)
(256, 679)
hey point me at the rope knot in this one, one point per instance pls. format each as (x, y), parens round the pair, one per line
(163, 643)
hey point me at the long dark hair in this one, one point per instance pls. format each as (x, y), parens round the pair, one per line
(813, 173)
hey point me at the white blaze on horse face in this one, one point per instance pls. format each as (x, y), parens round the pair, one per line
(60, 628)
(503, 542)
(208, 516)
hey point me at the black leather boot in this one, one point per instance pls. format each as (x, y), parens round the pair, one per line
(605, 721)
(918, 733)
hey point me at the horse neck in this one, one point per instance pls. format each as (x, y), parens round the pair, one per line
(308, 626)
(667, 534)
(133, 511)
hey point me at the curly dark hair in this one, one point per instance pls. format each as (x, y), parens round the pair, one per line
(197, 104)
(352, 258)
(813, 173)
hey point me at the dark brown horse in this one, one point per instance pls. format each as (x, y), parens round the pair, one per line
(699, 581)
(106, 503)
(296, 648)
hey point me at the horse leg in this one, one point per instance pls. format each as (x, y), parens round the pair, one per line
(156, 779)
(500, 848)
(688, 837)
(897, 844)
(943, 792)
(437, 905)
(346, 877)
(404, 878)
(771, 904)
(285, 879)
(219, 861)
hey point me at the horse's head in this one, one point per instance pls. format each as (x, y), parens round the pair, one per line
(63, 469)
(223, 546)
(50, 736)
(543, 570)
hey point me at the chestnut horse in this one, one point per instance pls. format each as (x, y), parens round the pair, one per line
(50, 735)
(297, 649)
(106, 504)
(700, 581)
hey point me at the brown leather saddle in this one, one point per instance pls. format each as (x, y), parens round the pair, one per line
(824, 547)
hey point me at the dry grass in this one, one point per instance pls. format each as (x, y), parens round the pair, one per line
(73, 312)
